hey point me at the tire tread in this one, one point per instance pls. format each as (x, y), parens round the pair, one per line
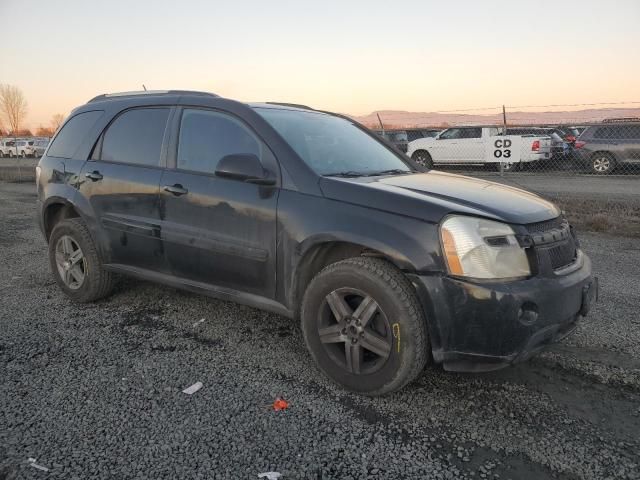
(401, 288)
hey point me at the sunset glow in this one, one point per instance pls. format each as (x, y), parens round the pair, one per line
(352, 57)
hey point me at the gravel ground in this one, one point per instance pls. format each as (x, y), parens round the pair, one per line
(94, 391)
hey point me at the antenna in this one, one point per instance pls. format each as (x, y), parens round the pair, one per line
(145, 88)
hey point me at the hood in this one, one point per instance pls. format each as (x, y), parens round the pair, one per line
(432, 195)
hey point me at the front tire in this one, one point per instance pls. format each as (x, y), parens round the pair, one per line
(423, 158)
(602, 163)
(364, 326)
(76, 264)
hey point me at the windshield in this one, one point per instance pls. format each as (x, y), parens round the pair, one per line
(332, 145)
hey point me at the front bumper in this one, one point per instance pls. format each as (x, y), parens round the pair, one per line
(489, 325)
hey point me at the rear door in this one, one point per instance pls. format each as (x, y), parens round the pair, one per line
(218, 231)
(121, 182)
(631, 143)
(470, 146)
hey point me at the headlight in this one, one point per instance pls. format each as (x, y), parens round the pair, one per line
(479, 248)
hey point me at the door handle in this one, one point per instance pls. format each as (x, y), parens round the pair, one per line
(93, 176)
(176, 189)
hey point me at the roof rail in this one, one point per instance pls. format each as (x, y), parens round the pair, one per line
(116, 95)
(621, 120)
(295, 105)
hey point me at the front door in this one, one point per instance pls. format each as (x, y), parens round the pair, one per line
(121, 183)
(215, 230)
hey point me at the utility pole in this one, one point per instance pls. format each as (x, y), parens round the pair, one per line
(381, 124)
(504, 134)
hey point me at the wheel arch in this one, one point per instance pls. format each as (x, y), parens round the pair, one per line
(421, 149)
(608, 153)
(55, 210)
(317, 253)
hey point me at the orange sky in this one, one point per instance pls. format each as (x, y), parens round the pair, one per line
(353, 58)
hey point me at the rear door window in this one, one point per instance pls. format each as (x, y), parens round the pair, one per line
(632, 132)
(73, 133)
(471, 133)
(135, 137)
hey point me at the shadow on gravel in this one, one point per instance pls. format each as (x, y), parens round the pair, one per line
(605, 406)
(148, 317)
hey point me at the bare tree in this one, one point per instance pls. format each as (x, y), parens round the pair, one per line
(13, 106)
(56, 121)
(45, 131)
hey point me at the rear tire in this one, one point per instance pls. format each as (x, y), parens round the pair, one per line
(602, 163)
(509, 166)
(423, 158)
(364, 327)
(76, 264)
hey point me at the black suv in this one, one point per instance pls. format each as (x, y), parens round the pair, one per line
(602, 148)
(310, 215)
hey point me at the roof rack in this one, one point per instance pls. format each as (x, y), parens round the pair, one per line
(294, 105)
(116, 95)
(621, 120)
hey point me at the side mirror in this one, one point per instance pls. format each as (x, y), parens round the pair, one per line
(245, 167)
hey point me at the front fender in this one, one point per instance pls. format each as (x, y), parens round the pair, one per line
(306, 221)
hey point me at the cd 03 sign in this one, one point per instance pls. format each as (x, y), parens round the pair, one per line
(504, 149)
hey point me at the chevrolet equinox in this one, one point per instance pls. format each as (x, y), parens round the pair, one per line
(387, 265)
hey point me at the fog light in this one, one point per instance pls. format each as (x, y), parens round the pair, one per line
(528, 313)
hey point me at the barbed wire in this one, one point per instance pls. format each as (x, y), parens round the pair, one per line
(496, 110)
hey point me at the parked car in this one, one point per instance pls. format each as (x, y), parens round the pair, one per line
(6, 149)
(398, 138)
(477, 145)
(602, 148)
(568, 134)
(308, 214)
(559, 147)
(416, 133)
(39, 146)
(19, 148)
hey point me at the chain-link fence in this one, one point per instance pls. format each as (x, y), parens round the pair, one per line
(587, 161)
(19, 157)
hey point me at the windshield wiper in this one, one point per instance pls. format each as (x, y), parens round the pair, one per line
(391, 171)
(347, 174)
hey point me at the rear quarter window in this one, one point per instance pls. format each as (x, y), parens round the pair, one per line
(73, 133)
(618, 132)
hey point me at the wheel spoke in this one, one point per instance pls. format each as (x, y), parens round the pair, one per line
(67, 277)
(353, 355)
(76, 256)
(365, 311)
(76, 273)
(332, 334)
(67, 248)
(59, 259)
(375, 343)
(338, 306)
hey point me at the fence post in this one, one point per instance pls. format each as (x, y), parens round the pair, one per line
(504, 134)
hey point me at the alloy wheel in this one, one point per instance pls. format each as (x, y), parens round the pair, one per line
(423, 159)
(601, 164)
(354, 331)
(71, 263)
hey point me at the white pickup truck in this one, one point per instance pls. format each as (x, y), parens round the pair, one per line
(480, 145)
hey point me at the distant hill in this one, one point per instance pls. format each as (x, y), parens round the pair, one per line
(403, 119)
